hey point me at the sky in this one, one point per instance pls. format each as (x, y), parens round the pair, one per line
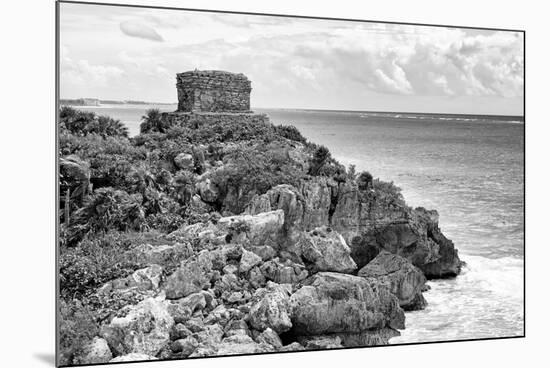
(126, 53)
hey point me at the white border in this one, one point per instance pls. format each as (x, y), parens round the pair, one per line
(27, 301)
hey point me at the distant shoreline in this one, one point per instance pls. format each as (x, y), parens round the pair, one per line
(109, 103)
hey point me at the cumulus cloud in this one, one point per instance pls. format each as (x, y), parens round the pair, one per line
(137, 29)
(82, 73)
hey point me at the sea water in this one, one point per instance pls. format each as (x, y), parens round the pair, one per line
(469, 168)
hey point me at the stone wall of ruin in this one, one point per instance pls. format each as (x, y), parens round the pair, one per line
(213, 91)
(196, 119)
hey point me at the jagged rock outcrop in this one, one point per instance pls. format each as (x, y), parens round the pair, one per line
(404, 280)
(369, 222)
(338, 304)
(417, 238)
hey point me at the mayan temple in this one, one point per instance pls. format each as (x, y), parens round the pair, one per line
(213, 95)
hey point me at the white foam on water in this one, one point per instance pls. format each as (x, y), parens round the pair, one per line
(485, 301)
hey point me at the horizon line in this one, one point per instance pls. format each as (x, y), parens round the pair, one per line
(311, 109)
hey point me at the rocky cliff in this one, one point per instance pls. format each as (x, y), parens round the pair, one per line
(219, 236)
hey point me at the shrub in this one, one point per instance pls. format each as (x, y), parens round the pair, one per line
(77, 327)
(107, 209)
(83, 123)
(290, 132)
(153, 121)
(388, 193)
(320, 156)
(96, 260)
(253, 170)
(364, 180)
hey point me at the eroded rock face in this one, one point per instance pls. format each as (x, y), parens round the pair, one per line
(405, 281)
(326, 250)
(333, 303)
(417, 239)
(271, 309)
(145, 329)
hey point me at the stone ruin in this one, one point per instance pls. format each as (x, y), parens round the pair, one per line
(214, 91)
(213, 95)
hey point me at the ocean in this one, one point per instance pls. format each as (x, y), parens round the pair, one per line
(469, 168)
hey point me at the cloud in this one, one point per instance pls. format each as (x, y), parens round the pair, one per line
(82, 73)
(140, 30)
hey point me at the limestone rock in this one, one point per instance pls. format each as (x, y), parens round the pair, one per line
(132, 357)
(264, 228)
(331, 303)
(404, 280)
(249, 260)
(286, 272)
(97, 351)
(321, 342)
(326, 250)
(144, 329)
(159, 254)
(270, 337)
(185, 161)
(191, 277)
(242, 344)
(271, 309)
(185, 346)
(208, 191)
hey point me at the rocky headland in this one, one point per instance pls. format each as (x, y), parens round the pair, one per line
(215, 232)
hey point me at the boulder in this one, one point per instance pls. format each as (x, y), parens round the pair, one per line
(185, 346)
(208, 191)
(242, 344)
(330, 303)
(96, 352)
(132, 357)
(326, 250)
(262, 229)
(404, 280)
(191, 277)
(145, 328)
(286, 272)
(271, 309)
(269, 337)
(248, 261)
(185, 161)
